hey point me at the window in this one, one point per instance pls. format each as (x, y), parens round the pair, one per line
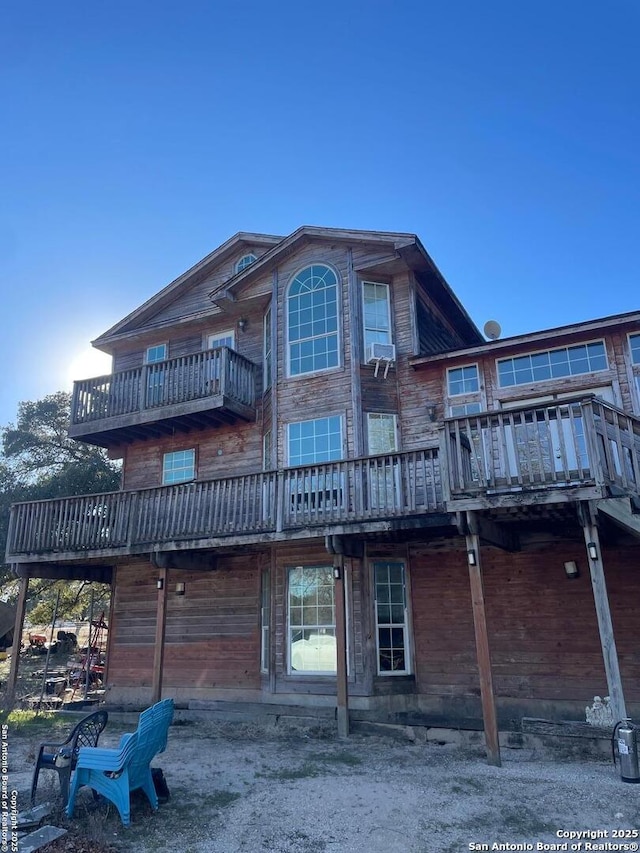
(462, 409)
(391, 618)
(314, 441)
(312, 620)
(221, 339)
(312, 320)
(634, 344)
(383, 480)
(155, 374)
(463, 380)
(178, 467)
(321, 490)
(376, 313)
(267, 350)
(552, 364)
(265, 619)
(381, 433)
(245, 261)
(156, 353)
(266, 451)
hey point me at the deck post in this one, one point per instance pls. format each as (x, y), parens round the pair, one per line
(603, 611)
(482, 641)
(341, 647)
(161, 619)
(17, 637)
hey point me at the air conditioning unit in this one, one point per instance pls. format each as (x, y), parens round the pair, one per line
(380, 352)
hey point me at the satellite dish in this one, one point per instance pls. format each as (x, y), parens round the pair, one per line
(492, 330)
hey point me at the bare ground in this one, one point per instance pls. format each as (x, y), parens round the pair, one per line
(239, 788)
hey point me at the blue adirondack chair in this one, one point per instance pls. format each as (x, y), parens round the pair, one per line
(115, 773)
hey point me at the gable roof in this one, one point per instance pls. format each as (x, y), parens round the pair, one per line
(171, 292)
(404, 246)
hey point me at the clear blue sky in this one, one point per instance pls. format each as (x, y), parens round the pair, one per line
(137, 136)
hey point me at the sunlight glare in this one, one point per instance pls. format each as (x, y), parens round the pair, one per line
(87, 363)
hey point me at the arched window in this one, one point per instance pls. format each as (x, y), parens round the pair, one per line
(244, 262)
(312, 320)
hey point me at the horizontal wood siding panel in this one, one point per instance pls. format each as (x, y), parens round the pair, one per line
(543, 632)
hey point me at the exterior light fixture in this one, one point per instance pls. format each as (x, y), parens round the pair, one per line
(593, 550)
(242, 323)
(471, 557)
(160, 583)
(571, 569)
(431, 412)
(180, 588)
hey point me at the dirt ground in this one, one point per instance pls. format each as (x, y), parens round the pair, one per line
(240, 788)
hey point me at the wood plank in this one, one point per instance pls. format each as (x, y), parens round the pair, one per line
(482, 647)
(603, 612)
(161, 616)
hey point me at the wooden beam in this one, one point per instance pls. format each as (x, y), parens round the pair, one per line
(188, 560)
(161, 619)
(482, 644)
(588, 517)
(17, 638)
(620, 511)
(489, 531)
(341, 647)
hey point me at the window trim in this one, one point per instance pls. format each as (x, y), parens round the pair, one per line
(164, 344)
(267, 349)
(241, 265)
(396, 432)
(338, 286)
(631, 348)
(301, 673)
(173, 452)
(406, 626)
(500, 361)
(265, 621)
(364, 326)
(289, 424)
(226, 333)
(462, 367)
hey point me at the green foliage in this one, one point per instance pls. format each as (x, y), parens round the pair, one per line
(39, 461)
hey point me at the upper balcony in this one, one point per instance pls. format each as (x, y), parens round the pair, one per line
(579, 449)
(215, 386)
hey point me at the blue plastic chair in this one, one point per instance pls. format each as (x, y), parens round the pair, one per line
(115, 773)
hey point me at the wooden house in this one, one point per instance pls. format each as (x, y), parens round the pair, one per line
(338, 495)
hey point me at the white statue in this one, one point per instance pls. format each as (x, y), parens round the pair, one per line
(600, 713)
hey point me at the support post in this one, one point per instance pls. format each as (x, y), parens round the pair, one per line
(482, 642)
(341, 647)
(603, 612)
(161, 618)
(17, 637)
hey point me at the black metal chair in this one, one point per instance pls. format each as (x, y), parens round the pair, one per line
(62, 757)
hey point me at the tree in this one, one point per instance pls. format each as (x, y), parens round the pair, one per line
(39, 461)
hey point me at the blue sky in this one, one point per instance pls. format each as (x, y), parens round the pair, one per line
(137, 136)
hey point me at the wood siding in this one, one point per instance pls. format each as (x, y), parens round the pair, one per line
(542, 627)
(212, 637)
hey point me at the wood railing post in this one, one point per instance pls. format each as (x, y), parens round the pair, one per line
(342, 699)
(17, 637)
(603, 612)
(482, 641)
(161, 619)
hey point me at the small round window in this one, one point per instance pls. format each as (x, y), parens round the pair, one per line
(244, 262)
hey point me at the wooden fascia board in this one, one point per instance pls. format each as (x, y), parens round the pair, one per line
(576, 330)
(194, 274)
(307, 232)
(153, 328)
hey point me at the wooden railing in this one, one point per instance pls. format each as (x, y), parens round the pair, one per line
(368, 489)
(577, 442)
(178, 380)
